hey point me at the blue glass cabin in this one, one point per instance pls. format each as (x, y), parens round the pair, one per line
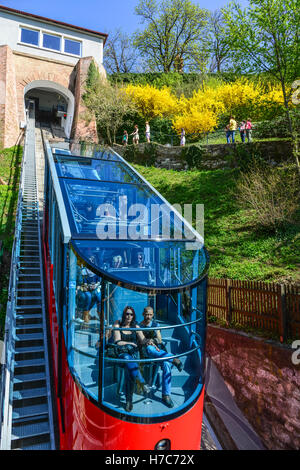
(115, 242)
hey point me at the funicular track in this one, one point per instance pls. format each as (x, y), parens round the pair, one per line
(26, 402)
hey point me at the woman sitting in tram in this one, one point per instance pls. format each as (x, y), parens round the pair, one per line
(128, 349)
(153, 347)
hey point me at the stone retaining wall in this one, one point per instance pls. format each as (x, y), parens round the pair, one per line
(206, 157)
(263, 382)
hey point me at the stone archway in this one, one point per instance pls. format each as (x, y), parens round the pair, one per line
(20, 72)
(58, 88)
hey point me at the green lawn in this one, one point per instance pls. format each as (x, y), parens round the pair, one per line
(10, 160)
(237, 249)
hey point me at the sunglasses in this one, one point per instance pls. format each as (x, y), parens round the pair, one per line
(129, 313)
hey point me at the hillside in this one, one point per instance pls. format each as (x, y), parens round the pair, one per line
(237, 249)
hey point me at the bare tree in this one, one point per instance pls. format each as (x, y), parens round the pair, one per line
(220, 46)
(174, 35)
(119, 54)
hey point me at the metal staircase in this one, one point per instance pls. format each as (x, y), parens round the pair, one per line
(27, 417)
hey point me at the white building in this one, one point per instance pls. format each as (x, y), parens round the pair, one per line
(45, 60)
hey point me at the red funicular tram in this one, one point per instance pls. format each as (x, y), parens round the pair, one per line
(112, 243)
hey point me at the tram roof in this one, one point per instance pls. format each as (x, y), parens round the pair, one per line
(112, 211)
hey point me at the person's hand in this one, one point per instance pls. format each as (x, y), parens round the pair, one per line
(150, 342)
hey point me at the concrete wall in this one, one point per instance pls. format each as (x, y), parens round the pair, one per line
(263, 382)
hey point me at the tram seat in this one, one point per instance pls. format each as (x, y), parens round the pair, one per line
(150, 372)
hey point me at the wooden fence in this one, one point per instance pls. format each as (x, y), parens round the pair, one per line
(271, 307)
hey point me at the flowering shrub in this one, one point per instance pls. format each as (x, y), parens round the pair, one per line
(208, 107)
(195, 121)
(152, 102)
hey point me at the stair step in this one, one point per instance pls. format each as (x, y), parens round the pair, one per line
(29, 329)
(24, 278)
(25, 286)
(28, 307)
(29, 297)
(41, 446)
(35, 379)
(30, 411)
(24, 270)
(30, 337)
(28, 246)
(27, 363)
(24, 300)
(29, 349)
(28, 318)
(31, 434)
(24, 309)
(28, 322)
(23, 291)
(26, 394)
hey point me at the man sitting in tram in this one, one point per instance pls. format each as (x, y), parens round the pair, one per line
(140, 261)
(154, 348)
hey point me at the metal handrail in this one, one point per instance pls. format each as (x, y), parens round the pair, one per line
(168, 327)
(10, 320)
(59, 197)
(160, 359)
(156, 359)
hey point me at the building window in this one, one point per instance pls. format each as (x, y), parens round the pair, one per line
(51, 42)
(72, 47)
(30, 36)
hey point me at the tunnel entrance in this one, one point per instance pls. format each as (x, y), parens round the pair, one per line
(54, 104)
(50, 108)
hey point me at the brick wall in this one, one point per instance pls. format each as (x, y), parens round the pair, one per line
(29, 69)
(9, 122)
(81, 130)
(264, 383)
(18, 70)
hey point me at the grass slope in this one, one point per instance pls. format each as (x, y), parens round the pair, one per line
(237, 249)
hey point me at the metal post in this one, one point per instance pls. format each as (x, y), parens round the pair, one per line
(282, 313)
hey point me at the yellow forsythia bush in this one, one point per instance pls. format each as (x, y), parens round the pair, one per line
(152, 102)
(208, 106)
(195, 121)
(199, 113)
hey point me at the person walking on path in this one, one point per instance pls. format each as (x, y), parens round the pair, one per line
(227, 131)
(147, 132)
(249, 130)
(135, 134)
(182, 137)
(125, 138)
(242, 129)
(232, 128)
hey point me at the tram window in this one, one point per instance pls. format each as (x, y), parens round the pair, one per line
(186, 305)
(182, 381)
(84, 306)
